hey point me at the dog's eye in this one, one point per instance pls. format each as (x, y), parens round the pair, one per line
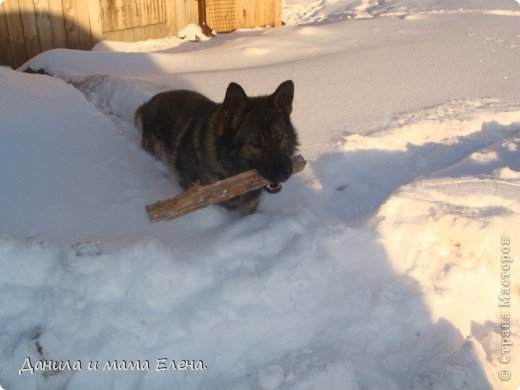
(254, 143)
(280, 136)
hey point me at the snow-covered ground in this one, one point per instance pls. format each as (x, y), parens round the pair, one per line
(386, 264)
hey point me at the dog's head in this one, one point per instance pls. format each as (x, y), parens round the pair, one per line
(263, 136)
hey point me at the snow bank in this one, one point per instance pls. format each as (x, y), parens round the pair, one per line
(72, 174)
(307, 12)
(298, 300)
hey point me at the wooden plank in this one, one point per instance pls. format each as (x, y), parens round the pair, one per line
(143, 10)
(114, 16)
(159, 11)
(71, 24)
(113, 35)
(192, 14)
(260, 13)
(180, 12)
(15, 28)
(171, 18)
(119, 21)
(128, 35)
(269, 13)
(129, 12)
(125, 14)
(59, 36)
(103, 10)
(96, 27)
(43, 23)
(150, 31)
(30, 30)
(162, 11)
(152, 16)
(242, 6)
(277, 13)
(253, 6)
(139, 33)
(83, 22)
(202, 196)
(251, 18)
(146, 11)
(5, 44)
(133, 14)
(163, 30)
(110, 15)
(155, 31)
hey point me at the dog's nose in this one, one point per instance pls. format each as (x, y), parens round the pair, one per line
(277, 169)
(282, 174)
(278, 174)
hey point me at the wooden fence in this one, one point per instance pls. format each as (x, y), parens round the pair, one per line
(29, 27)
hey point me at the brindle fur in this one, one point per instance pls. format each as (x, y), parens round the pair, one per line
(204, 141)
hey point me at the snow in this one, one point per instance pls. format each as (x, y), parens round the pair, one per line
(191, 32)
(380, 266)
(319, 11)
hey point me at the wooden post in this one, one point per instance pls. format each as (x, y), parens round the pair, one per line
(199, 197)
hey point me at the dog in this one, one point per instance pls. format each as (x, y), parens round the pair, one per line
(204, 141)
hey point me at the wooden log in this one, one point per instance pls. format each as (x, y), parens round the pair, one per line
(200, 196)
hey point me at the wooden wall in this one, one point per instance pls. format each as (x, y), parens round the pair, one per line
(136, 20)
(254, 13)
(28, 27)
(124, 20)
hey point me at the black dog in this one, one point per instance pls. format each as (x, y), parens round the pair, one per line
(204, 141)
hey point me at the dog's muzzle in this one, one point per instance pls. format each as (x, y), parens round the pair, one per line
(273, 188)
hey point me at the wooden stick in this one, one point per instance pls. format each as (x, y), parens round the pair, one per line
(199, 196)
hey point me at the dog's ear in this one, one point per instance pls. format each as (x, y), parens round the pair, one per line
(282, 98)
(236, 99)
